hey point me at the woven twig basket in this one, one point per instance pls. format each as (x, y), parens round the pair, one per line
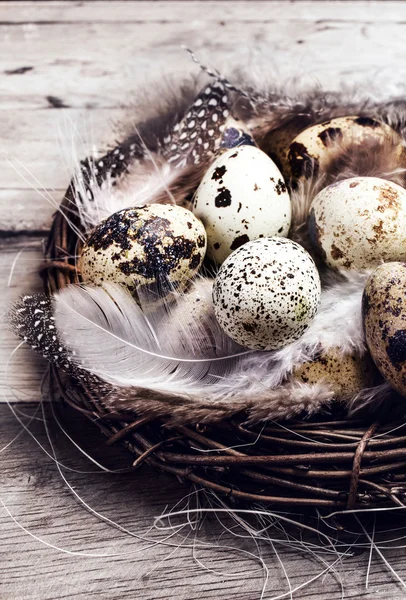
(329, 462)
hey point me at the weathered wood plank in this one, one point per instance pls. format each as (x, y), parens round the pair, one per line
(45, 146)
(20, 375)
(93, 57)
(36, 496)
(89, 65)
(27, 210)
(246, 11)
(96, 70)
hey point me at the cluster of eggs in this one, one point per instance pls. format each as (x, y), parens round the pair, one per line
(267, 288)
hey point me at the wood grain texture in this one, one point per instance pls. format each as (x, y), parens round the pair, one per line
(20, 374)
(34, 493)
(70, 69)
(69, 72)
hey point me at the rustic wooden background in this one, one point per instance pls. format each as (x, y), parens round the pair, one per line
(70, 71)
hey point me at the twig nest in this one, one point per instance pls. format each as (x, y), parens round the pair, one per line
(384, 316)
(266, 293)
(348, 374)
(241, 197)
(359, 222)
(154, 244)
(315, 149)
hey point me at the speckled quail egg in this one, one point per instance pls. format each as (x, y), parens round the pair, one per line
(384, 317)
(241, 197)
(315, 148)
(359, 222)
(277, 141)
(266, 293)
(348, 374)
(151, 244)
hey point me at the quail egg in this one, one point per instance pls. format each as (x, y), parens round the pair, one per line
(314, 149)
(241, 197)
(359, 222)
(153, 244)
(348, 374)
(266, 293)
(384, 318)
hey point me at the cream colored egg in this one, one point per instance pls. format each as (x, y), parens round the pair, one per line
(384, 317)
(241, 197)
(348, 374)
(266, 293)
(360, 222)
(153, 244)
(313, 151)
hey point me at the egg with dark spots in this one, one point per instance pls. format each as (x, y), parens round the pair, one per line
(143, 246)
(358, 223)
(313, 151)
(384, 318)
(241, 197)
(348, 374)
(266, 293)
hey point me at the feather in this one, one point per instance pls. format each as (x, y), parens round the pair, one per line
(112, 337)
(175, 360)
(197, 136)
(32, 319)
(189, 362)
(135, 174)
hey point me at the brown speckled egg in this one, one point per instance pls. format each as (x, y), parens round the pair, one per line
(358, 223)
(384, 317)
(151, 244)
(266, 293)
(241, 197)
(314, 149)
(348, 374)
(277, 141)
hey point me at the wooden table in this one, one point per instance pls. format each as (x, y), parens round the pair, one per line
(70, 71)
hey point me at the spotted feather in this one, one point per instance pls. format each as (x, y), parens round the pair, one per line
(31, 318)
(95, 174)
(198, 135)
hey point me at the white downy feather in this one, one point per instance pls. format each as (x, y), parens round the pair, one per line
(148, 181)
(110, 336)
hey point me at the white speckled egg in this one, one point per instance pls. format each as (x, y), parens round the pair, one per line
(242, 197)
(315, 148)
(157, 243)
(357, 223)
(266, 293)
